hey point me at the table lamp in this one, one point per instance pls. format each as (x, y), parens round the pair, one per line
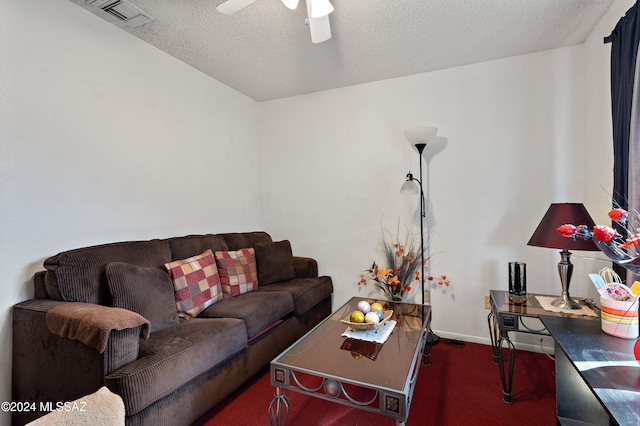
(546, 235)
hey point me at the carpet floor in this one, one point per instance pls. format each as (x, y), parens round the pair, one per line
(461, 387)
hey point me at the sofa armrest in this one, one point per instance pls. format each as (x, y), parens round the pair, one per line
(305, 267)
(39, 289)
(47, 367)
(92, 324)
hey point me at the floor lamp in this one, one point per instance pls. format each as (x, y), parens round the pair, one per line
(419, 137)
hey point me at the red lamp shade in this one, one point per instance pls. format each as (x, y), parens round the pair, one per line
(546, 234)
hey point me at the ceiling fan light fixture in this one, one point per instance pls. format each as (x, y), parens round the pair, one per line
(317, 11)
(319, 8)
(320, 28)
(291, 4)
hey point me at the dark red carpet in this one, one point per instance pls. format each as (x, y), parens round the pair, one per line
(461, 387)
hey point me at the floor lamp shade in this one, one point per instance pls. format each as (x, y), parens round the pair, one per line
(410, 187)
(546, 235)
(420, 135)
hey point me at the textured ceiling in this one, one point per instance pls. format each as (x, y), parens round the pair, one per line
(265, 50)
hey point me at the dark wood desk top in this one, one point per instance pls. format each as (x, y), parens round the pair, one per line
(606, 363)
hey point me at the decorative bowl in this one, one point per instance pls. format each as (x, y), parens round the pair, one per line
(368, 326)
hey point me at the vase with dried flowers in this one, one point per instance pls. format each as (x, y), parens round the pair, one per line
(403, 266)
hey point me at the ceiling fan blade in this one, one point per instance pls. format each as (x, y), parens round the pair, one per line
(319, 8)
(232, 6)
(320, 29)
(291, 4)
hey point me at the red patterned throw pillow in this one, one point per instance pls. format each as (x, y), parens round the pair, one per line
(196, 283)
(238, 271)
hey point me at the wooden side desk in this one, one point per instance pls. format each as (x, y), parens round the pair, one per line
(505, 317)
(597, 375)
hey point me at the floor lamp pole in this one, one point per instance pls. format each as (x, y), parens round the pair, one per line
(420, 147)
(432, 338)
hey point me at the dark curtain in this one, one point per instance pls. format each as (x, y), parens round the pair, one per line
(624, 40)
(624, 51)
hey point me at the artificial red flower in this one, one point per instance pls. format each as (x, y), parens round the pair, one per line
(634, 240)
(566, 230)
(619, 215)
(603, 233)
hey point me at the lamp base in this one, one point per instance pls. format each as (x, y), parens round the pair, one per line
(565, 269)
(566, 302)
(432, 338)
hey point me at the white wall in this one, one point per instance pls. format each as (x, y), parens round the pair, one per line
(103, 138)
(513, 129)
(523, 132)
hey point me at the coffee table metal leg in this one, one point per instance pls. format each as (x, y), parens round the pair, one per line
(493, 333)
(279, 404)
(426, 355)
(506, 375)
(426, 350)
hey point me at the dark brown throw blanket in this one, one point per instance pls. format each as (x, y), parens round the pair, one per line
(91, 324)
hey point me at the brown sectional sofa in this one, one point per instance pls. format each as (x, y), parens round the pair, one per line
(105, 316)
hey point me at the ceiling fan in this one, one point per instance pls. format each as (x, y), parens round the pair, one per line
(317, 11)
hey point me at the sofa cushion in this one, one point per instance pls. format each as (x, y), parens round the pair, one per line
(196, 282)
(257, 309)
(78, 275)
(275, 262)
(174, 356)
(147, 291)
(237, 241)
(192, 245)
(238, 271)
(306, 292)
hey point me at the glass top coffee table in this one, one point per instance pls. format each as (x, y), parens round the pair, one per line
(370, 376)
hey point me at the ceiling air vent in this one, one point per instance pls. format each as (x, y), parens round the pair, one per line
(124, 11)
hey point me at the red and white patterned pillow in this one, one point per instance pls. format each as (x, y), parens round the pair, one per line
(238, 271)
(196, 282)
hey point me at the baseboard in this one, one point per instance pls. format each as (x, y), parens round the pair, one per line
(542, 347)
